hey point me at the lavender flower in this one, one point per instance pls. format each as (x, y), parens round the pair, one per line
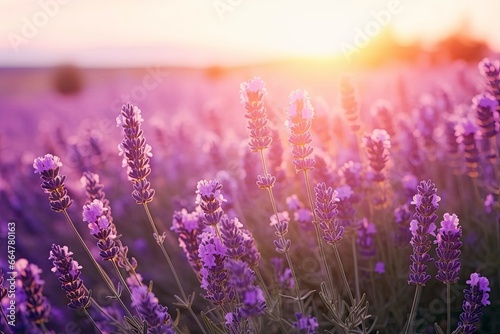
(349, 103)
(345, 208)
(154, 314)
(300, 114)
(53, 183)
(426, 202)
(448, 249)
(188, 227)
(402, 216)
(283, 275)
(381, 110)
(236, 323)
(100, 228)
(489, 201)
(490, 71)
(34, 305)
(352, 174)
(214, 275)
(379, 267)
(252, 98)
(69, 272)
(365, 238)
(475, 298)
(209, 197)
(136, 153)
(326, 211)
(306, 324)
(466, 132)
(377, 145)
(485, 105)
(242, 280)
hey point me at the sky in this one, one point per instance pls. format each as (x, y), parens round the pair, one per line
(222, 32)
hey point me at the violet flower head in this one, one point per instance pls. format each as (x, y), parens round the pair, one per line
(252, 98)
(154, 314)
(214, 275)
(53, 183)
(490, 71)
(379, 267)
(402, 217)
(421, 227)
(69, 271)
(326, 211)
(242, 280)
(306, 324)
(300, 114)
(209, 197)
(188, 227)
(489, 201)
(34, 304)
(475, 298)
(485, 105)
(283, 276)
(101, 229)
(466, 131)
(349, 103)
(136, 153)
(345, 208)
(366, 238)
(236, 323)
(448, 249)
(377, 145)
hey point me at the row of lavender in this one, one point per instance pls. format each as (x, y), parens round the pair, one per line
(224, 255)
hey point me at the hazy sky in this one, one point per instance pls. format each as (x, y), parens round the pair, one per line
(200, 32)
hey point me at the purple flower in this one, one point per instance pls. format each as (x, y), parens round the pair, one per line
(209, 197)
(34, 305)
(349, 103)
(53, 183)
(377, 146)
(421, 227)
(69, 272)
(300, 114)
(252, 97)
(154, 314)
(485, 105)
(345, 208)
(379, 267)
(326, 212)
(136, 153)
(188, 227)
(214, 275)
(475, 298)
(306, 324)
(236, 323)
(490, 71)
(466, 132)
(283, 275)
(100, 228)
(242, 280)
(365, 238)
(489, 201)
(448, 249)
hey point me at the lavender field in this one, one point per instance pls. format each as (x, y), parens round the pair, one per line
(276, 198)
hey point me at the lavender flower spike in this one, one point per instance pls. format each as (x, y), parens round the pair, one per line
(136, 153)
(34, 305)
(300, 114)
(475, 298)
(377, 145)
(101, 229)
(53, 183)
(421, 227)
(448, 249)
(69, 272)
(326, 212)
(154, 314)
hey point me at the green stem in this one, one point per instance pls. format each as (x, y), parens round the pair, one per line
(413, 312)
(91, 320)
(187, 303)
(101, 271)
(121, 278)
(44, 329)
(448, 309)
(342, 271)
(356, 274)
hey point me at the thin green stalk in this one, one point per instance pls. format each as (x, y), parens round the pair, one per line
(356, 274)
(91, 320)
(188, 304)
(121, 278)
(342, 271)
(413, 312)
(326, 268)
(448, 309)
(101, 271)
(287, 255)
(44, 329)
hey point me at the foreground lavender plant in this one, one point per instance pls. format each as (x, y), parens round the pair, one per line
(421, 227)
(34, 305)
(448, 251)
(155, 315)
(475, 298)
(48, 167)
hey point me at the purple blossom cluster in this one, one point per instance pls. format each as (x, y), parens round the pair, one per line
(475, 298)
(101, 229)
(448, 249)
(326, 213)
(188, 226)
(377, 147)
(152, 313)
